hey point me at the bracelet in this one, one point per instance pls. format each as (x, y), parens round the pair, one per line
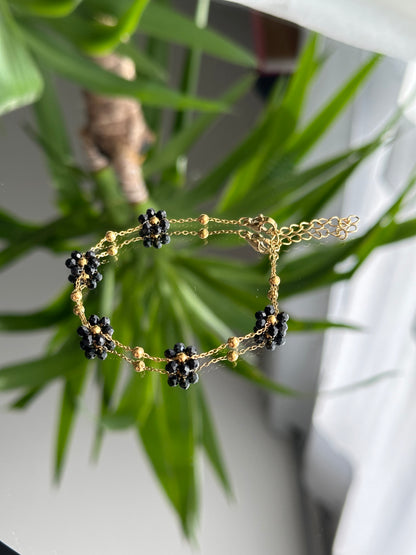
(183, 363)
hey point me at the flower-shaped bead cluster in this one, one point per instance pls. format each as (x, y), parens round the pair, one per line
(84, 265)
(181, 366)
(154, 228)
(275, 327)
(96, 337)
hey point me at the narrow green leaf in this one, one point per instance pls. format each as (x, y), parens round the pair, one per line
(23, 401)
(210, 443)
(145, 65)
(166, 23)
(303, 141)
(47, 8)
(11, 227)
(69, 408)
(20, 80)
(181, 142)
(37, 372)
(318, 325)
(60, 56)
(357, 386)
(60, 309)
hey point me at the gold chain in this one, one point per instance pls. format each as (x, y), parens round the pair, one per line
(261, 232)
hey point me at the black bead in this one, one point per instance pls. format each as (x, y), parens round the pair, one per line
(110, 345)
(161, 214)
(70, 262)
(94, 262)
(157, 243)
(282, 326)
(172, 380)
(72, 278)
(272, 331)
(104, 321)
(93, 320)
(183, 369)
(171, 366)
(270, 345)
(89, 270)
(83, 331)
(283, 317)
(76, 271)
(165, 239)
(92, 284)
(146, 228)
(155, 229)
(90, 255)
(147, 242)
(150, 212)
(193, 363)
(255, 328)
(260, 323)
(164, 224)
(85, 344)
(107, 329)
(184, 383)
(190, 350)
(193, 377)
(258, 339)
(260, 315)
(76, 255)
(179, 348)
(170, 353)
(99, 340)
(280, 340)
(269, 310)
(90, 354)
(142, 218)
(98, 276)
(102, 354)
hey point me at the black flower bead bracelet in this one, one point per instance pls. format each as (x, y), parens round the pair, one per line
(182, 364)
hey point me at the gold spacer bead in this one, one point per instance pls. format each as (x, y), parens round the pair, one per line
(111, 236)
(76, 296)
(112, 251)
(154, 220)
(181, 357)
(272, 319)
(96, 329)
(233, 342)
(274, 280)
(232, 356)
(82, 262)
(203, 233)
(78, 310)
(203, 219)
(138, 352)
(140, 366)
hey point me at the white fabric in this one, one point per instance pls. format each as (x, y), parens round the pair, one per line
(385, 26)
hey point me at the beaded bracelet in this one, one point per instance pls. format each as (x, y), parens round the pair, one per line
(182, 363)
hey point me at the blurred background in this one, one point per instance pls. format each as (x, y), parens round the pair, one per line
(308, 450)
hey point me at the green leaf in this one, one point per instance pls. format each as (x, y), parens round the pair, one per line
(60, 56)
(20, 80)
(210, 443)
(38, 372)
(52, 132)
(356, 386)
(97, 38)
(145, 65)
(69, 408)
(318, 325)
(165, 23)
(47, 8)
(181, 142)
(60, 309)
(26, 399)
(11, 227)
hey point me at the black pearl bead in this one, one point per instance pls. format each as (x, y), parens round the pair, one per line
(165, 239)
(142, 218)
(283, 317)
(280, 340)
(179, 348)
(171, 367)
(76, 255)
(110, 345)
(273, 331)
(107, 329)
(282, 327)
(193, 363)
(102, 354)
(161, 214)
(90, 354)
(92, 284)
(184, 383)
(85, 344)
(260, 323)
(269, 310)
(70, 263)
(150, 212)
(98, 276)
(157, 243)
(164, 224)
(99, 340)
(183, 369)
(147, 242)
(83, 331)
(170, 353)
(155, 229)
(104, 321)
(76, 271)
(172, 380)
(146, 228)
(193, 377)
(93, 320)
(260, 315)
(190, 351)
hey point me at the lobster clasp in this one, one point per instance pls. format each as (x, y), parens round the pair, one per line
(259, 243)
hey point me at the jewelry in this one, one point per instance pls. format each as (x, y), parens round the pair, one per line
(182, 363)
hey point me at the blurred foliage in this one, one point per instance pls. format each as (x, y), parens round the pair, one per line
(184, 294)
